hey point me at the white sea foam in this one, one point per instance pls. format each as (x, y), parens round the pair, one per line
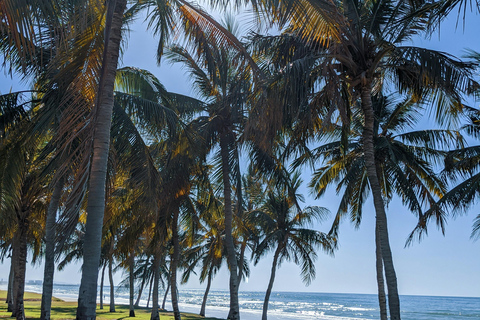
(359, 309)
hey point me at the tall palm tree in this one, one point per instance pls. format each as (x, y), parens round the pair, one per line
(162, 20)
(50, 224)
(286, 233)
(404, 162)
(96, 195)
(219, 79)
(360, 45)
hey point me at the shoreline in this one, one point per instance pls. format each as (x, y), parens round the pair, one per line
(3, 286)
(292, 306)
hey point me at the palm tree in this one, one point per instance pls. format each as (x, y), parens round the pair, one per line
(97, 84)
(143, 272)
(47, 289)
(22, 192)
(171, 161)
(194, 19)
(357, 47)
(96, 196)
(404, 162)
(284, 226)
(178, 172)
(24, 207)
(225, 85)
(206, 247)
(461, 168)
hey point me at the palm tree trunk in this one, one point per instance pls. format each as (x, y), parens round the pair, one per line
(49, 270)
(142, 285)
(149, 293)
(14, 266)
(20, 269)
(96, 196)
(270, 283)
(156, 280)
(132, 292)
(381, 217)
(234, 313)
(205, 296)
(166, 295)
(10, 284)
(382, 299)
(101, 285)
(173, 266)
(112, 286)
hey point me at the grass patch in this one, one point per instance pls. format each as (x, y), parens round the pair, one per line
(67, 310)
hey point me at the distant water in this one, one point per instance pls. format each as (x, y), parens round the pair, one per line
(302, 305)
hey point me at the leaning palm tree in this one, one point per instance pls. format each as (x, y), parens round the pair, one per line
(358, 46)
(285, 232)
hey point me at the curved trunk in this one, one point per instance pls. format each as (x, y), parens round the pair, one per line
(166, 295)
(140, 292)
(173, 267)
(142, 285)
(20, 270)
(10, 284)
(149, 293)
(205, 296)
(270, 283)
(102, 281)
(112, 285)
(156, 278)
(131, 280)
(96, 195)
(234, 313)
(382, 299)
(381, 217)
(49, 270)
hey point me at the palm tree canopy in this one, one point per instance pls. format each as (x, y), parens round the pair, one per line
(285, 227)
(405, 158)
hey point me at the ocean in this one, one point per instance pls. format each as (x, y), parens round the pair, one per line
(300, 305)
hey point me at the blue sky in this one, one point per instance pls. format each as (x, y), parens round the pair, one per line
(440, 265)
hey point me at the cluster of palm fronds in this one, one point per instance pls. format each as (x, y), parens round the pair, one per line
(103, 164)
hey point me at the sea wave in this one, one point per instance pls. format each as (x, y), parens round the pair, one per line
(298, 306)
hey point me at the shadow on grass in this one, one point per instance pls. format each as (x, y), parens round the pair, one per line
(62, 310)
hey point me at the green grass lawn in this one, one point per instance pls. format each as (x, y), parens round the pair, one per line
(67, 310)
